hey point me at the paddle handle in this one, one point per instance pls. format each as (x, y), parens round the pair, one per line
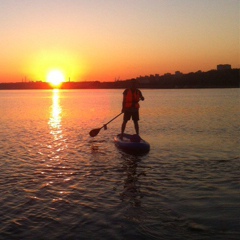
(112, 119)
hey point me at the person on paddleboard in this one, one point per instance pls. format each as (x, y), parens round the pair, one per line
(130, 106)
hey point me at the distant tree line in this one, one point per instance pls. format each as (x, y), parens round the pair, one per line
(212, 79)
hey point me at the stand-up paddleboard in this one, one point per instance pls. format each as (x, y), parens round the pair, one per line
(132, 144)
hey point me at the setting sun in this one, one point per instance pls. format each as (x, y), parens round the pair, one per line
(55, 78)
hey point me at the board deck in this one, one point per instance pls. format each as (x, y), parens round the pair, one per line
(132, 144)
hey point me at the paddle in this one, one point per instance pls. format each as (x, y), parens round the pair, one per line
(95, 131)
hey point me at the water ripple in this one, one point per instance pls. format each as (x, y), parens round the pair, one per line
(58, 183)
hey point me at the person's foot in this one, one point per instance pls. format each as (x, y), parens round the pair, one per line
(135, 138)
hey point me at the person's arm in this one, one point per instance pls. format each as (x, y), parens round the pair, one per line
(124, 101)
(141, 96)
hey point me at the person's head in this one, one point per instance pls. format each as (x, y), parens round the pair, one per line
(134, 83)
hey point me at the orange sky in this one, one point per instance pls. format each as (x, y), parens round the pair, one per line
(106, 40)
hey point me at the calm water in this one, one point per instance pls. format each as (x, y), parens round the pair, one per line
(56, 182)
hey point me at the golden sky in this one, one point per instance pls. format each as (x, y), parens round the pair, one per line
(104, 40)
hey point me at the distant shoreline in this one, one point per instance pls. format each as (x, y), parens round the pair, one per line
(211, 79)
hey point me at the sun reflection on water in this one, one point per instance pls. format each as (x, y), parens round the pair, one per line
(56, 116)
(58, 144)
(57, 147)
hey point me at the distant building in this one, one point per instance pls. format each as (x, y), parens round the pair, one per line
(157, 77)
(221, 67)
(178, 73)
(143, 80)
(167, 74)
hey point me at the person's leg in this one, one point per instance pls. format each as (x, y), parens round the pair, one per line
(135, 118)
(123, 127)
(136, 126)
(126, 117)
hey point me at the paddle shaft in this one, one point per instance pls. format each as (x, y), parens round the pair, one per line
(95, 132)
(112, 120)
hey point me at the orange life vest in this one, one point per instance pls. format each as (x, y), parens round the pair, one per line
(132, 99)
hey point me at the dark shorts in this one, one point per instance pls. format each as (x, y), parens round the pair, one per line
(131, 114)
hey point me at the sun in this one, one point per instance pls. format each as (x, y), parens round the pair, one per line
(55, 78)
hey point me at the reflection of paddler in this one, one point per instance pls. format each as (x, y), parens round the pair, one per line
(130, 106)
(131, 189)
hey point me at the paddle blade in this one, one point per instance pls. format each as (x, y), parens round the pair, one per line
(94, 132)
